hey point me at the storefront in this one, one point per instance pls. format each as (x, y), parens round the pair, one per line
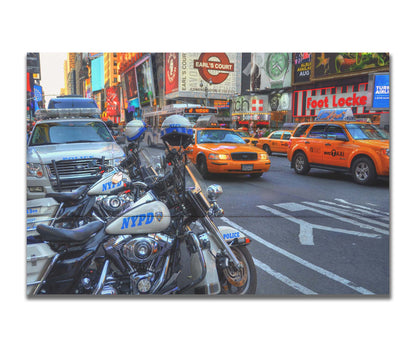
(308, 102)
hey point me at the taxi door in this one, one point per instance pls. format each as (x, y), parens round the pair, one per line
(314, 142)
(337, 148)
(190, 150)
(284, 142)
(274, 141)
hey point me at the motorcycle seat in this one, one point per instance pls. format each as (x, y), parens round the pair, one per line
(68, 196)
(80, 234)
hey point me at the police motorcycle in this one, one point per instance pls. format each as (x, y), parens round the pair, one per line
(117, 187)
(166, 242)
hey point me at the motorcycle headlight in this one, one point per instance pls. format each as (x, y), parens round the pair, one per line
(217, 156)
(263, 156)
(34, 170)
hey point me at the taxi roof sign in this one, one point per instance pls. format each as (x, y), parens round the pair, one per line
(335, 114)
(62, 113)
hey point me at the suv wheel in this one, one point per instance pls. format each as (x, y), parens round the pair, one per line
(300, 163)
(363, 171)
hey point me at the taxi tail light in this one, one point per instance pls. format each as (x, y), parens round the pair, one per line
(289, 143)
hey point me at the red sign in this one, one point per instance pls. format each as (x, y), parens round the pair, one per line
(171, 72)
(113, 102)
(256, 105)
(209, 61)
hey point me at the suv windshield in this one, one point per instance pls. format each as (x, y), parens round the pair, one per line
(366, 132)
(69, 132)
(219, 136)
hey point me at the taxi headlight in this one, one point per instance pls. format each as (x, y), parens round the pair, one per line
(263, 156)
(217, 156)
(34, 170)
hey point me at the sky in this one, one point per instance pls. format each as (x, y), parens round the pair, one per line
(52, 73)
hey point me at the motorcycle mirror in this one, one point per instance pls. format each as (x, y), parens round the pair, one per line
(214, 191)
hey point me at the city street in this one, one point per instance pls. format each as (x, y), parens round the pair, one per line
(320, 234)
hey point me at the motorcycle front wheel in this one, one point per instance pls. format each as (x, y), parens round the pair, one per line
(240, 281)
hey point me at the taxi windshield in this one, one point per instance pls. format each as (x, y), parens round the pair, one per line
(218, 136)
(242, 133)
(70, 132)
(366, 132)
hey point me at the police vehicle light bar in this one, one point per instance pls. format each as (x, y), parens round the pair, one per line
(62, 113)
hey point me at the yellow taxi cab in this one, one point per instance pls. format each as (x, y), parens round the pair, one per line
(277, 141)
(220, 150)
(335, 142)
(246, 137)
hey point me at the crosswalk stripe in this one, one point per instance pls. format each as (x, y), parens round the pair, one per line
(299, 260)
(286, 280)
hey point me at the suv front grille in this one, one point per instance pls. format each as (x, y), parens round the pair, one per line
(70, 174)
(244, 156)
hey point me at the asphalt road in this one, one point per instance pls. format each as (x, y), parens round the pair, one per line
(320, 234)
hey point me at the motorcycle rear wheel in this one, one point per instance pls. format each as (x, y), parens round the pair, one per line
(242, 281)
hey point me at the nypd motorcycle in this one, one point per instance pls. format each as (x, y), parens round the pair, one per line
(165, 242)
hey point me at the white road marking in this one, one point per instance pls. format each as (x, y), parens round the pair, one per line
(363, 207)
(319, 208)
(299, 260)
(286, 280)
(359, 211)
(306, 228)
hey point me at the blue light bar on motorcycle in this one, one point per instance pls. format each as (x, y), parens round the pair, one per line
(176, 129)
(335, 114)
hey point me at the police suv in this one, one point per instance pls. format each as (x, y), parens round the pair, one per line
(66, 149)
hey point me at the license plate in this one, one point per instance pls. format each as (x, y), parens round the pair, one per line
(247, 167)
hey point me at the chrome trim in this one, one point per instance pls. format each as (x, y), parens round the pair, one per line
(162, 277)
(101, 281)
(48, 270)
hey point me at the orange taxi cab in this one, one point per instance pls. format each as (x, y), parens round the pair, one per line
(339, 143)
(246, 137)
(275, 142)
(219, 150)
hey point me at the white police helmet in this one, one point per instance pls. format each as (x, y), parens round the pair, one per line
(135, 129)
(177, 131)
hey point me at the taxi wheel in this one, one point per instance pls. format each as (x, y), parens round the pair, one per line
(300, 163)
(266, 148)
(202, 167)
(363, 171)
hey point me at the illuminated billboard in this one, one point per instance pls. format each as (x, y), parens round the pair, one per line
(97, 73)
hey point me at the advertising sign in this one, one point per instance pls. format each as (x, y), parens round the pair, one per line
(145, 82)
(270, 70)
(327, 64)
(309, 102)
(171, 72)
(130, 84)
(113, 102)
(97, 73)
(215, 73)
(302, 67)
(381, 91)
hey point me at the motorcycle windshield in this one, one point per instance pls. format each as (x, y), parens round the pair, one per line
(151, 166)
(194, 180)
